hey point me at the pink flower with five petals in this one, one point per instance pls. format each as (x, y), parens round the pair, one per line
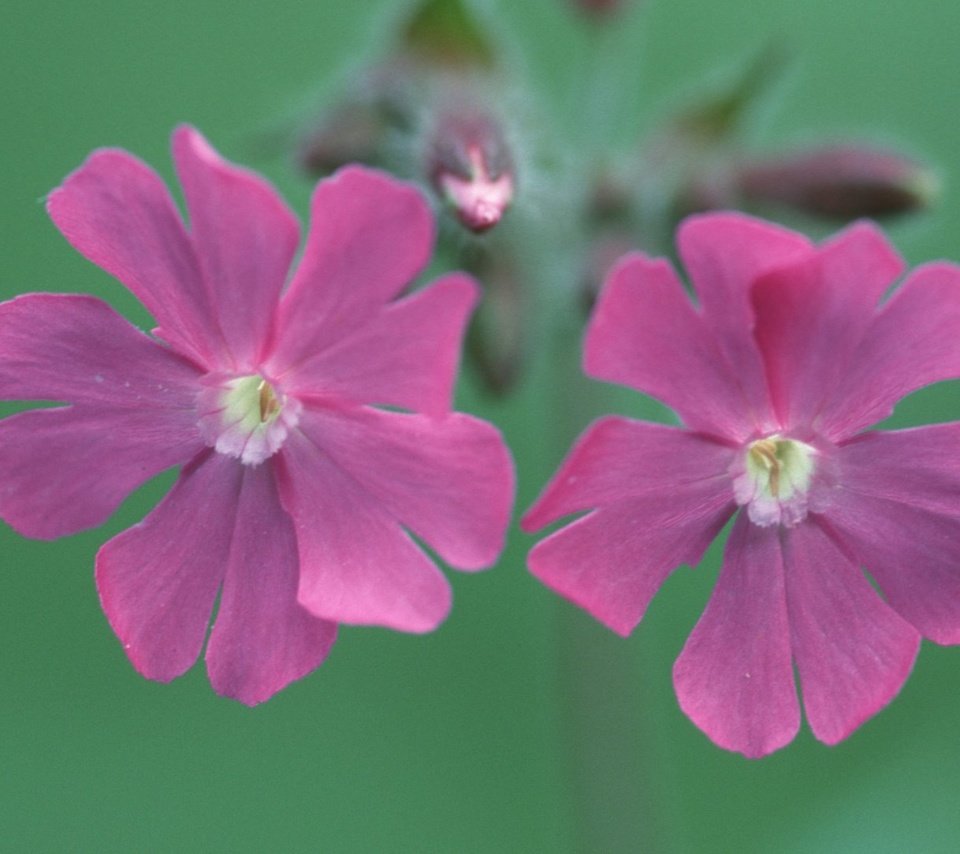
(792, 352)
(298, 488)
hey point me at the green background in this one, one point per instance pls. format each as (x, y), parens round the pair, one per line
(520, 725)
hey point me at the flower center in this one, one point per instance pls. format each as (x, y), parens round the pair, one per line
(774, 478)
(245, 417)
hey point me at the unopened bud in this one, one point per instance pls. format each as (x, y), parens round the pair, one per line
(358, 128)
(470, 167)
(498, 336)
(599, 8)
(446, 33)
(840, 181)
(602, 255)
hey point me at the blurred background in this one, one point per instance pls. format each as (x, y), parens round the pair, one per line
(520, 725)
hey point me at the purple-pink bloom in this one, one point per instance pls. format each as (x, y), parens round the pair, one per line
(299, 492)
(792, 351)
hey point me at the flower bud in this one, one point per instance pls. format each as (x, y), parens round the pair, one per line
(470, 166)
(599, 9)
(499, 335)
(840, 181)
(358, 128)
(446, 34)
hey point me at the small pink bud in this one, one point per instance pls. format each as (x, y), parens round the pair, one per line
(841, 181)
(470, 167)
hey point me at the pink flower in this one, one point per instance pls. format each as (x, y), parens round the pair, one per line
(296, 495)
(775, 376)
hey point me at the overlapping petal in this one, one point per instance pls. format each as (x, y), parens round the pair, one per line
(811, 316)
(245, 238)
(853, 651)
(724, 255)
(734, 677)
(357, 565)
(262, 638)
(369, 237)
(117, 212)
(406, 355)
(646, 334)
(158, 580)
(911, 342)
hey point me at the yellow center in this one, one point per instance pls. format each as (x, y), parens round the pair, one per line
(246, 417)
(775, 479)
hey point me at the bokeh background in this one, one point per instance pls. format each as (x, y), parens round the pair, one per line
(520, 725)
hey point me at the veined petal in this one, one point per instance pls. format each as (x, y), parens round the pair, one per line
(617, 459)
(852, 650)
(244, 237)
(67, 469)
(811, 316)
(77, 349)
(158, 580)
(734, 677)
(612, 561)
(724, 255)
(912, 342)
(449, 481)
(357, 565)
(370, 235)
(262, 638)
(646, 334)
(899, 514)
(117, 213)
(406, 355)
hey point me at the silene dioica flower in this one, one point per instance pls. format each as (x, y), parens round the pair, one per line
(792, 351)
(298, 488)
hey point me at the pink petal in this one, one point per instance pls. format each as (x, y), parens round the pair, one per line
(116, 212)
(370, 235)
(646, 334)
(262, 639)
(898, 512)
(734, 677)
(67, 469)
(724, 255)
(612, 561)
(79, 350)
(406, 355)
(245, 238)
(450, 482)
(356, 563)
(811, 316)
(911, 343)
(617, 459)
(852, 650)
(158, 580)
